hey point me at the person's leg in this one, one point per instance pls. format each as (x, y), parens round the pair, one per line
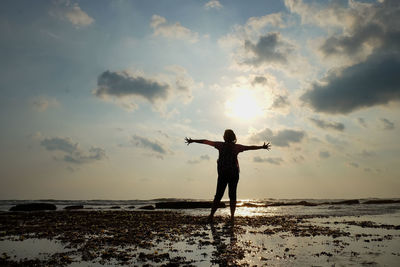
(221, 185)
(232, 194)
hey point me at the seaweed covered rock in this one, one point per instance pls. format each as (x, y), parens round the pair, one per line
(187, 205)
(148, 207)
(33, 207)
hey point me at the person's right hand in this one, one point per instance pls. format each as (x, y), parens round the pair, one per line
(188, 140)
(266, 146)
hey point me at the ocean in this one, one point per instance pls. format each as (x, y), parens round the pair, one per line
(245, 207)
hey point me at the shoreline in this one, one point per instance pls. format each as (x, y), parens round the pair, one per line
(180, 204)
(167, 238)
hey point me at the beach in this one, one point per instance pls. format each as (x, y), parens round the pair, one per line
(98, 237)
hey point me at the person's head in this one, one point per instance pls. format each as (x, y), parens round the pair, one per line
(229, 136)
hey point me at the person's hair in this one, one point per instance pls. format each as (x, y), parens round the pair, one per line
(229, 136)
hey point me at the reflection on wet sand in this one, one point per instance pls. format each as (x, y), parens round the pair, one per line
(161, 238)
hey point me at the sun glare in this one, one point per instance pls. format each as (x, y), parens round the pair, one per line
(243, 106)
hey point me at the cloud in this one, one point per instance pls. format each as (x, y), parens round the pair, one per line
(258, 45)
(123, 87)
(258, 23)
(275, 161)
(298, 159)
(362, 122)
(353, 164)
(95, 153)
(270, 48)
(42, 103)
(183, 82)
(145, 143)
(172, 31)
(282, 138)
(387, 124)
(335, 141)
(352, 46)
(123, 84)
(213, 4)
(251, 30)
(64, 10)
(327, 125)
(259, 80)
(72, 151)
(367, 154)
(64, 144)
(196, 161)
(370, 38)
(324, 154)
(334, 14)
(280, 101)
(373, 82)
(357, 27)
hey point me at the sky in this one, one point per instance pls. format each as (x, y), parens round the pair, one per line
(98, 96)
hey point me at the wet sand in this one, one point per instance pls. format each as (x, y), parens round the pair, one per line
(165, 238)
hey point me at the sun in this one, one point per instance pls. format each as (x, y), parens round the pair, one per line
(244, 105)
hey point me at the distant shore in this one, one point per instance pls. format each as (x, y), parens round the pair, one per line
(166, 238)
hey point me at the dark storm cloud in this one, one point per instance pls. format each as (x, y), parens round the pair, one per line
(275, 161)
(122, 84)
(282, 138)
(72, 152)
(327, 125)
(270, 48)
(387, 124)
(373, 82)
(148, 144)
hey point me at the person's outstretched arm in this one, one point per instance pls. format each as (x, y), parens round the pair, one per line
(200, 141)
(266, 146)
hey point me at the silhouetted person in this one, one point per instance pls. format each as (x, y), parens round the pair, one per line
(228, 167)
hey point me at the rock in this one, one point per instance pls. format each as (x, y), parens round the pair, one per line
(382, 201)
(148, 207)
(343, 202)
(74, 207)
(300, 203)
(305, 203)
(348, 202)
(33, 207)
(187, 205)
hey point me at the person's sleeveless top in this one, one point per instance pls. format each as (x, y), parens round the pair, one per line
(227, 160)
